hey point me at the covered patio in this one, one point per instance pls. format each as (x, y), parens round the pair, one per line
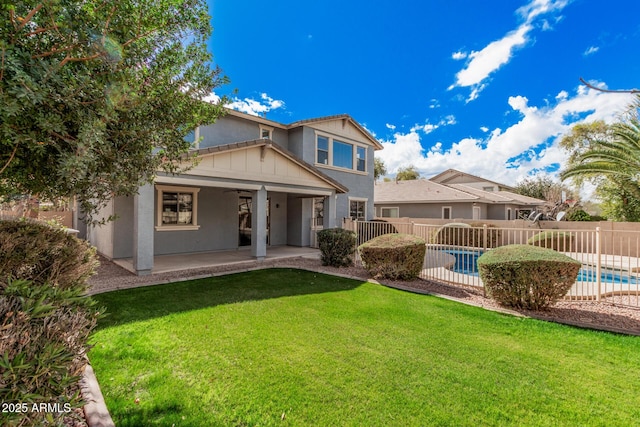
(187, 261)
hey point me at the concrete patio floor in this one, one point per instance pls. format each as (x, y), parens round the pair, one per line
(166, 263)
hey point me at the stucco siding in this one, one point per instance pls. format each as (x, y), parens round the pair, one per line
(230, 129)
(123, 235)
(218, 220)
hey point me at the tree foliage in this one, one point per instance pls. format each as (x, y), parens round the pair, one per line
(609, 157)
(544, 188)
(98, 96)
(379, 168)
(407, 174)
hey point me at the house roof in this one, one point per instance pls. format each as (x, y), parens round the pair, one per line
(501, 196)
(451, 174)
(427, 191)
(346, 117)
(419, 191)
(268, 144)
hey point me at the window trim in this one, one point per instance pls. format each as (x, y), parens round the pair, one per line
(269, 130)
(382, 208)
(161, 189)
(450, 212)
(354, 153)
(357, 200)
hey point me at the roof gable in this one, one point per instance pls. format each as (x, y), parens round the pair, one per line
(262, 161)
(342, 124)
(453, 176)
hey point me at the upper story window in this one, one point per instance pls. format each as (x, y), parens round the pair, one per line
(323, 150)
(266, 132)
(340, 154)
(361, 159)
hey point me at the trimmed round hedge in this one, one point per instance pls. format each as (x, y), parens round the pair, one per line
(529, 277)
(556, 240)
(337, 247)
(393, 256)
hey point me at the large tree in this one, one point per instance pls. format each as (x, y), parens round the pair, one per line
(609, 157)
(97, 96)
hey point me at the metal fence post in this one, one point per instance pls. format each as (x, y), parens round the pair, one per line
(598, 263)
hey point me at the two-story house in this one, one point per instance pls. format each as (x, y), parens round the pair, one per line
(257, 183)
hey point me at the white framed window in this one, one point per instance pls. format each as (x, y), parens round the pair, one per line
(391, 212)
(322, 150)
(177, 208)
(358, 209)
(476, 212)
(361, 159)
(446, 212)
(340, 154)
(266, 132)
(508, 214)
(487, 188)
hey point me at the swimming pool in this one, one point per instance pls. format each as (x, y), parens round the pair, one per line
(467, 263)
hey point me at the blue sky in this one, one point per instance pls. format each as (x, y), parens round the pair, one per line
(485, 87)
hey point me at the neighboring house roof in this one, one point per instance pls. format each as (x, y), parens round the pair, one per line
(268, 144)
(428, 191)
(345, 117)
(419, 191)
(499, 196)
(453, 174)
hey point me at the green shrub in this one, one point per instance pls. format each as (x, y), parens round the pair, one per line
(578, 215)
(337, 247)
(394, 256)
(45, 319)
(470, 235)
(525, 276)
(557, 240)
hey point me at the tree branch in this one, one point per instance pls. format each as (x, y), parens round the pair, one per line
(590, 86)
(15, 149)
(30, 15)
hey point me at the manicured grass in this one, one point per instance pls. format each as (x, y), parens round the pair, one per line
(287, 347)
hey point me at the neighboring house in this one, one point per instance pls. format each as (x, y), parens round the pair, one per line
(257, 183)
(451, 195)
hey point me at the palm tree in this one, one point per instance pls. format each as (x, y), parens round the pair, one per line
(617, 158)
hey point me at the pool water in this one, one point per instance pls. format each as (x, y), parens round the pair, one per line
(467, 263)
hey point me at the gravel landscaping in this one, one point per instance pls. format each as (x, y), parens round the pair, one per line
(608, 316)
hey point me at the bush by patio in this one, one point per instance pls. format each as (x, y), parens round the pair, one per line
(556, 240)
(529, 277)
(393, 256)
(337, 247)
(46, 319)
(469, 235)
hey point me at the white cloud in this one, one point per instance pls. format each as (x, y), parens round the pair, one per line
(459, 55)
(484, 129)
(256, 108)
(591, 50)
(389, 126)
(530, 144)
(540, 7)
(492, 57)
(481, 64)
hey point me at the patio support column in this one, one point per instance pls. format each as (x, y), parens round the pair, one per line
(259, 224)
(330, 211)
(143, 220)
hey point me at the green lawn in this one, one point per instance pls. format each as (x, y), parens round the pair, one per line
(288, 347)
